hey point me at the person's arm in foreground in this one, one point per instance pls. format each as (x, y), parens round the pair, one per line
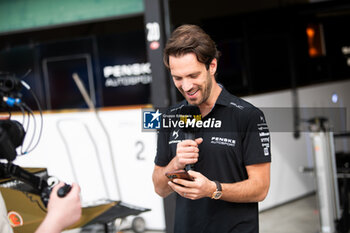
(61, 212)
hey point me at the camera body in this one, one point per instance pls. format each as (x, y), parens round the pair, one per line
(12, 135)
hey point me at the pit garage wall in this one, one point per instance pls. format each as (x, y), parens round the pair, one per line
(290, 154)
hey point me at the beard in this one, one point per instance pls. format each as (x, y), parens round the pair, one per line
(204, 89)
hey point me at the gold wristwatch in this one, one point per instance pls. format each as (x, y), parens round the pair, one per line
(218, 192)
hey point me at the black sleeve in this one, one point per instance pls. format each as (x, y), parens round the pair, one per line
(163, 150)
(256, 141)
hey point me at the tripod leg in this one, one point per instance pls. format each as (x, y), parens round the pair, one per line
(106, 227)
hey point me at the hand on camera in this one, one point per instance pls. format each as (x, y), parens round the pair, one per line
(62, 212)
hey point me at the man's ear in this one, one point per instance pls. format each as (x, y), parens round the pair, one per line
(213, 66)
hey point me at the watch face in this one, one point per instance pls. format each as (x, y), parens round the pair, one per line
(217, 195)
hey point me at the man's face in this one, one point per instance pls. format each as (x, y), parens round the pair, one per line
(192, 78)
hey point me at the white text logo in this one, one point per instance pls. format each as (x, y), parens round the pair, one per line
(223, 141)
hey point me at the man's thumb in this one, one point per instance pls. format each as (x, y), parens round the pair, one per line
(198, 140)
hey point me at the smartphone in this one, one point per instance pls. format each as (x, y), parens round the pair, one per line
(179, 174)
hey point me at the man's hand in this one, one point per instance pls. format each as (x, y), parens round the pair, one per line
(199, 188)
(187, 152)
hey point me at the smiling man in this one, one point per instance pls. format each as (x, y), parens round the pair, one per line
(231, 164)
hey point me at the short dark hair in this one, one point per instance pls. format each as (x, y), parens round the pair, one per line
(191, 39)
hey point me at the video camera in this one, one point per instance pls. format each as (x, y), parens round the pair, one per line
(12, 135)
(11, 132)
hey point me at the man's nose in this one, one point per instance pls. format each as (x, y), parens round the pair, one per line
(187, 85)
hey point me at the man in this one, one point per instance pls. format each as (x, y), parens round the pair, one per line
(231, 164)
(61, 212)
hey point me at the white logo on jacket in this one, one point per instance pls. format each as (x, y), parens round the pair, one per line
(223, 141)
